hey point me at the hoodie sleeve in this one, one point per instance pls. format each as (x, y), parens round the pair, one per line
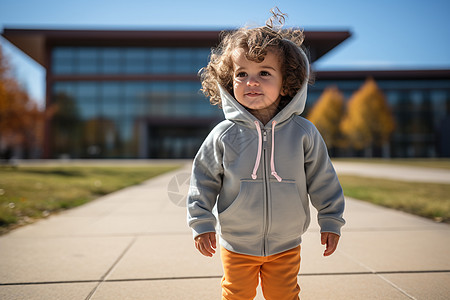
(323, 185)
(205, 185)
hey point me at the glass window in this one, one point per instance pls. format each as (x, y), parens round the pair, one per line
(137, 96)
(63, 53)
(139, 54)
(160, 61)
(111, 104)
(183, 61)
(109, 140)
(64, 87)
(111, 90)
(88, 61)
(109, 115)
(127, 134)
(111, 109)
(135, 91)
(85, 54)
(88, 110)
(87, 91)
(136, 60)
(159, 97)
(416, 98)
(412, 84)
(201, 58)
(111, 61)
(63, 60)
(393, 97)
(62, 68)
(128, 60)
(440, 102)
(203, 108)
(181, 99)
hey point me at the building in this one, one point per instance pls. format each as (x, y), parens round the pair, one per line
(419, 100)
(135, 94)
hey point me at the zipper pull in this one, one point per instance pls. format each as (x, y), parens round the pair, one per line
(265, 136)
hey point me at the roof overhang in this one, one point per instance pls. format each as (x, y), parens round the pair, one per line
(422, 74)
(34, 42)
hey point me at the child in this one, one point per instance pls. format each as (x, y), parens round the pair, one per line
(257, 170)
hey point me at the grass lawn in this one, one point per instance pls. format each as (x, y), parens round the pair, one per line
(428, 200)
(33, 192)
(440, 163)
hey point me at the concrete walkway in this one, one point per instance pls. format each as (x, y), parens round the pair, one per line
(134, 244)
(392, 171)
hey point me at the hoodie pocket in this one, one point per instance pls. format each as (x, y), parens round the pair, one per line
(245, 216)
(288, 216)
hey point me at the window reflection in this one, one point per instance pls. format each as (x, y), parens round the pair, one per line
(128, 60)
(110, 118)
(110, 61)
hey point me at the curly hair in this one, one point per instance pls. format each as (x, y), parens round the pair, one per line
(287, 44)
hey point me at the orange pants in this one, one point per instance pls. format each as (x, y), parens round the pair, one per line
(278, 275)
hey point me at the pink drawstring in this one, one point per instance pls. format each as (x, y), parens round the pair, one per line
(258, 156)
(272, 162)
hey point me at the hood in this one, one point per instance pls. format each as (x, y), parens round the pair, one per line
(235, 112)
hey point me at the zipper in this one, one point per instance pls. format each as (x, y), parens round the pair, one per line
(266, 195)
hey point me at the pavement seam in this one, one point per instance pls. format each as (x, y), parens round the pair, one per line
(219, 276)
(103, 278)
(378, 275)
(396, 287)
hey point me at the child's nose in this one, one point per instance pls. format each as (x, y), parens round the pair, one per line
(252, 81)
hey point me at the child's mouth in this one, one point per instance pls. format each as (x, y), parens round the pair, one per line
(253, 94)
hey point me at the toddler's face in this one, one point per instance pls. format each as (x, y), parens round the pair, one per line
(257, 86)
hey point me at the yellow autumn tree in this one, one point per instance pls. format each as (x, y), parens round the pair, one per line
(368, 121)
(326, 115)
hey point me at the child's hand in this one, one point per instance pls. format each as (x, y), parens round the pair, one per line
(331, 240)
(206, 243)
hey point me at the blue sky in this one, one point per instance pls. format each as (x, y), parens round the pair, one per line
(386, 34)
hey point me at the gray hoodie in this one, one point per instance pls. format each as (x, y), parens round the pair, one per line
(252, 183)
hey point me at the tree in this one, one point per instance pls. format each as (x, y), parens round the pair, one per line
(368, 121)
(326, 115)
(66, 124)
(21, 121)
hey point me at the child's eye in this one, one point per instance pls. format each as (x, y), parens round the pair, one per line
(264, 73)
(241, 74)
